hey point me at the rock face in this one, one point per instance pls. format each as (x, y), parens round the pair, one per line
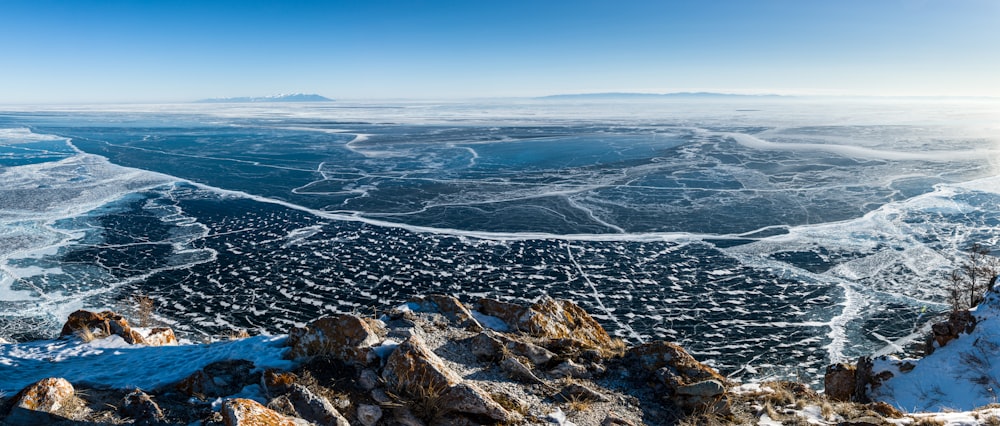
(246, 412)
(840, 382)
(691, 384)
(958, 322)
(345, 337)
(414, 370)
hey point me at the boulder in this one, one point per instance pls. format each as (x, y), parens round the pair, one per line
(414, 370)
(348, 338)
(42, 402)
(247, 412)
(840, 382)
(369, 414)
(314, 408)
(104, 323)
(142, 409)
(450, 307)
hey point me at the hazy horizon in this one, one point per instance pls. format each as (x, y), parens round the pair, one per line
(128, 52)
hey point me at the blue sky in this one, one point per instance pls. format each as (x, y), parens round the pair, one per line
(146, 51)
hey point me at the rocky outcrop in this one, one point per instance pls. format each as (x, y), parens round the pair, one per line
(345, 337)
(959, 322)
(840, 382)
(560, 321)
(689, 383)
(107, 323)
(449, 306)
(414, 370)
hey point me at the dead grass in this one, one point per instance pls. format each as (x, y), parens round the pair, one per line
(928, 421)
(87, 335)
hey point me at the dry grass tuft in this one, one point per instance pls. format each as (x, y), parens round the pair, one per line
(928, 421)
(87, 335)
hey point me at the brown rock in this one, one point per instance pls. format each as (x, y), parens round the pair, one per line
(958, 322)
(414, 370)
(48, 395)
(161, 336)
(246, 412)
(348, 338)
(106, 323)
(840, 382)
(510, 313)
(87, 320)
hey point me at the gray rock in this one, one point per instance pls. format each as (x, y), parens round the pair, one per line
(314, 408)
(578, 392)
(518, 371)
(707, 388)
(368, 379)
(570, 369)
(368, 415)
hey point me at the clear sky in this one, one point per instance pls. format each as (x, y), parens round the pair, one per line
(179, 50)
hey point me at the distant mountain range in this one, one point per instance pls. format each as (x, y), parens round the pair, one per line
(294, 97)
(627, 95)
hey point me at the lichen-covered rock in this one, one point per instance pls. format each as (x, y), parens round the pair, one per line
(247, 412)
(142, 409)
(39, 402)
(413, 369)
(450, 307)
(160, 336)
(348, 338)
(555, 320)
(47, 395)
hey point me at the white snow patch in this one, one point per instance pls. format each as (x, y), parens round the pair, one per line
(491, 322)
